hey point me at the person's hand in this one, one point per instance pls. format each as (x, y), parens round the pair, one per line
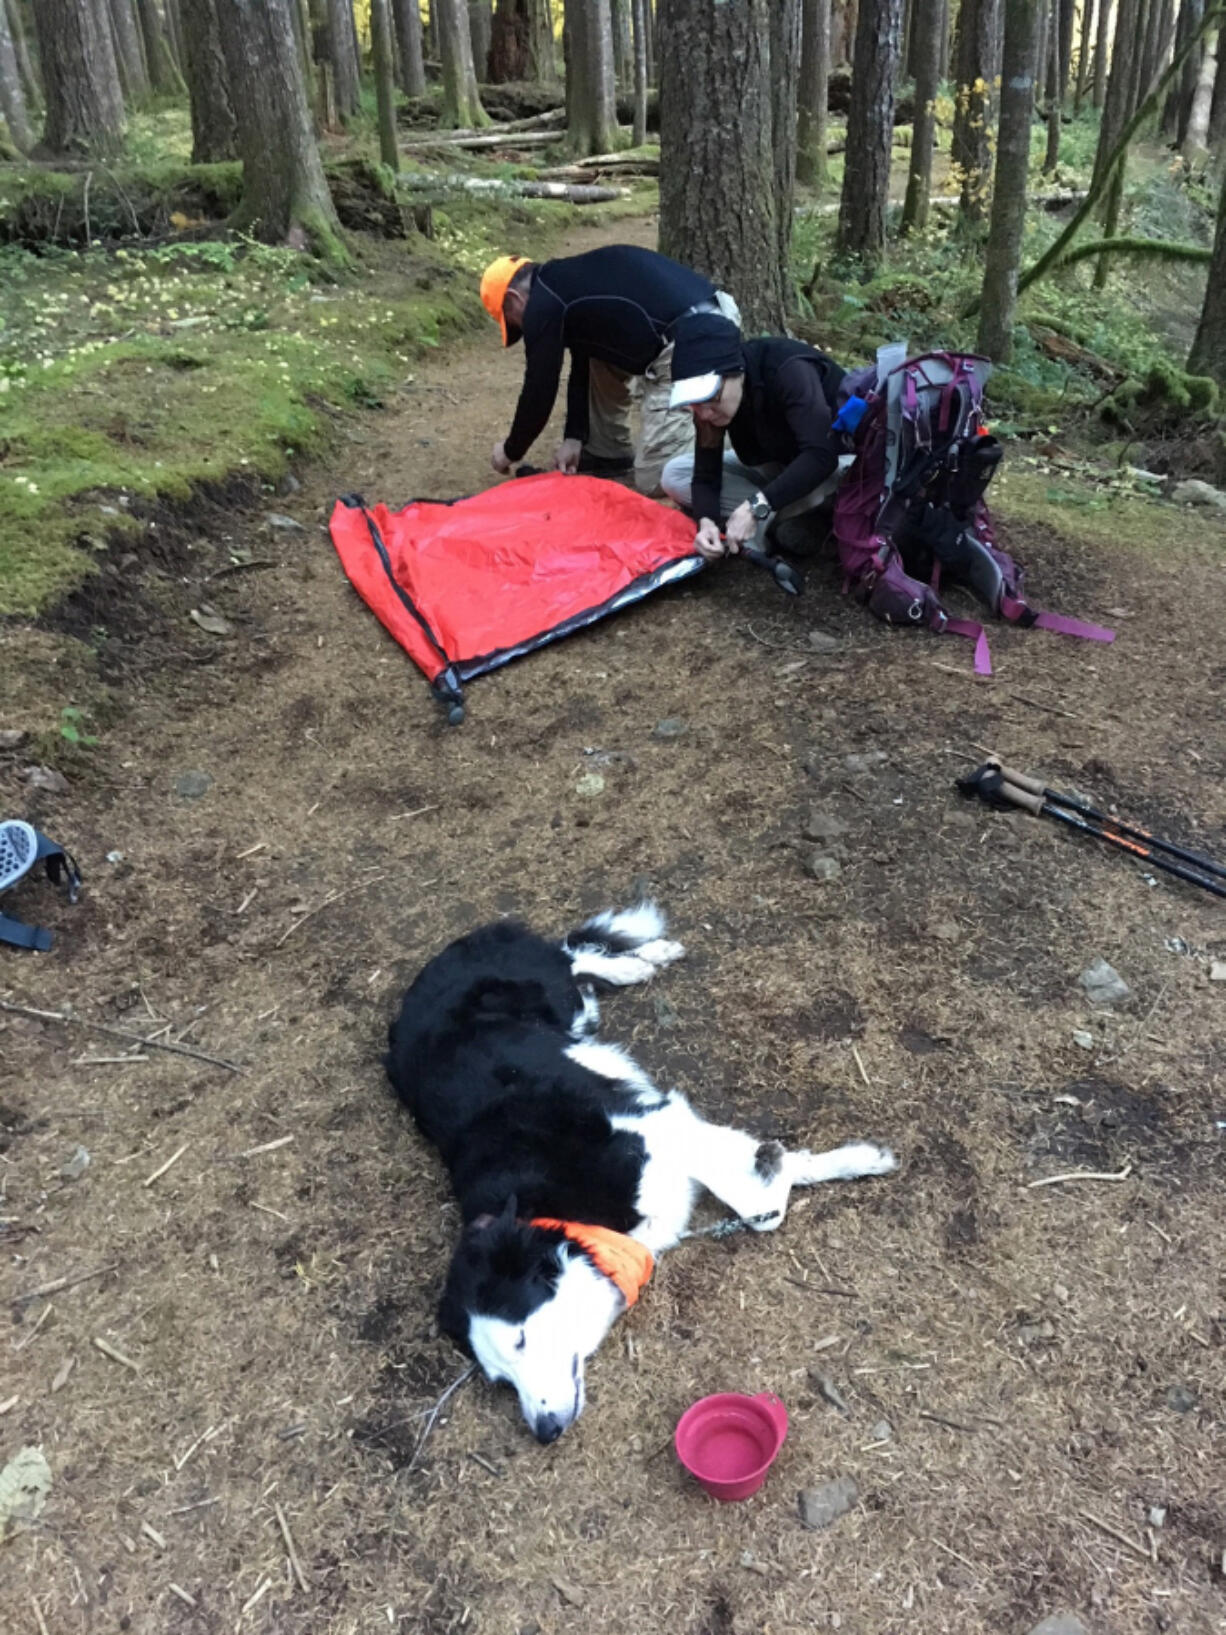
(566, 456)
(741, 526)
(707, 541)
(499, 461)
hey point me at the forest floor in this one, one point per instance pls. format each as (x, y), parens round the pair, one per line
(1027, 1384)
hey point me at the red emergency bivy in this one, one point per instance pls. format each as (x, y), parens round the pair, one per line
(468, 585)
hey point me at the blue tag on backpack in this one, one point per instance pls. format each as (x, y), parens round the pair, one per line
(850, 416)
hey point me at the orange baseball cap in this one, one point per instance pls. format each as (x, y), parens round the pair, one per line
(495, 281)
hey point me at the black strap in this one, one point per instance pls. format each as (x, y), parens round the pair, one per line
(24, 936)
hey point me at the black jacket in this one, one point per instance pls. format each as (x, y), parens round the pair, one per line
(617, 304)
(785, 418)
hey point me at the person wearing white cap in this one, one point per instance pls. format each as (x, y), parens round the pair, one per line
(776, 399)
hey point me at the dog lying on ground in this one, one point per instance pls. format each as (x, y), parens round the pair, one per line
(571, 1168)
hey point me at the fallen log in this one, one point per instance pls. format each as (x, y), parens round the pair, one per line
(428, 185)
(481, 139)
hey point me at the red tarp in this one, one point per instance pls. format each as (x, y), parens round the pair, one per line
(463, 587)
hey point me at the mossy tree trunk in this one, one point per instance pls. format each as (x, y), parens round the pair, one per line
(129, 51)
(343, 58)
(974, 72)
(718, 191)
(591, 88)
(81, 80)
(926, 59)
(1003, 258)
(812, 93)
(385, 82)
(1179, 97)
(12, 96)
(461, 99)
(1084, 47)
(163, 75)
(870, 131)
(285, 196)
(1217, 108)
(214, 130)
(521, 44)
(1196, 141)
(639, 135)
(480, 29)
(1059, 57)
(1102, 46)
(1208, 354)
(407, 17)
(785, 80)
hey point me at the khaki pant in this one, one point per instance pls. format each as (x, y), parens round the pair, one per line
(664, 432)
(740, 483)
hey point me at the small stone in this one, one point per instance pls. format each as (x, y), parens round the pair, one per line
(1061, 1623)
(1036, 1333)
(824, 826)
(882, 1431)
(1181, 1399)
(1061, 1293)
(281, 524)
(590, 785)
(208, 618)
(191, 785)
(74, 1168)
(12, 738)
(671, 727)
(1157, 1515)
(751, 1564)
(947, 931)
(828, 1390)
(1195, 492)
(820, 1506)
(572, 1594)
(822, 867)
(821, 642)
(289, 484)
(1084, 1039)
(1217, 971)
(47, 779)
(666, 1016)
(865, 762)
(109, 510)
(115, 857)
(1104, 984)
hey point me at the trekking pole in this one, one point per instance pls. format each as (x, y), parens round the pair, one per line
(989, 784)
(784, 574)
(1116, 825)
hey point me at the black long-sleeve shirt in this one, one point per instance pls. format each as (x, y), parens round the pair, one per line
(785, 418)
(617, 304)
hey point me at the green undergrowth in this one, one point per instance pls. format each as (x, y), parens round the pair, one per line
(135, 375)
(1085, 508)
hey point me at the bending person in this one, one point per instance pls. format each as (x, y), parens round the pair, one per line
(776, 401)
(618, 311)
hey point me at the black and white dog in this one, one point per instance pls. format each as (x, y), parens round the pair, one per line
(571, 1168)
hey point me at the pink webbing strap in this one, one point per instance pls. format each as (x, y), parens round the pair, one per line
(1064, 626)
(976, 632)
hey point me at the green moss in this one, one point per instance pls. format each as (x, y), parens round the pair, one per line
(1109, 519)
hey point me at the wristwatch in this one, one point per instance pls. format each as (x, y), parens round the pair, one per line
(760, 507)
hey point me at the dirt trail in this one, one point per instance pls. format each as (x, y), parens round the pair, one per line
(1042, 1356)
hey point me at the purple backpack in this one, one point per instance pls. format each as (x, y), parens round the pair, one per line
(911, 510)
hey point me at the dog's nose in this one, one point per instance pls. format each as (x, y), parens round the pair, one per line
(548, 1428)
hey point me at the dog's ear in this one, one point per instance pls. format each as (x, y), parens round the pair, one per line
(453, 1317)
(510, 1209)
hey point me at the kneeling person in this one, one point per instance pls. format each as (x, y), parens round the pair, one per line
(776, 399)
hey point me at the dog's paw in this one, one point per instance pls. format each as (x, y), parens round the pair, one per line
(770, 1222)
(660, 951)
(863, 1158)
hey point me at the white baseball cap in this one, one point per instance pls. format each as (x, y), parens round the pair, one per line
(697, 389)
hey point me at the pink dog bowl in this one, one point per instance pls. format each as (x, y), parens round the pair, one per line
(729, 1442)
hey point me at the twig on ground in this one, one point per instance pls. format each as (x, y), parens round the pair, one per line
(289, 1547)
(265, 1210)
(152, 1534)
(1081, 1175)
(785, 647)
(240, 567)
(162, 1168)
(200, 1504)
(9, 1403)
(28, 1339)
(486, 1464)
(38, 1613)
(418, 811)
(332, 897)
(58, 1283)
(119, 1033)
(108, 1350)
(435, 1410)
(1114, 1532)
(267, 1146)
(176, 1589)
(259, 846)
(107, 1061)
(254, 1599)
(818, 1288)
(1039, 704)
(860, 1065)
(949, 1424)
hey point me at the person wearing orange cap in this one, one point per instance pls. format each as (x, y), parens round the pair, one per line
(617, 311)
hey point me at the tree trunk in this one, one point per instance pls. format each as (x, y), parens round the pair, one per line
(1196, 142)
(12, 97)
(1059, 54)
(640, 73)
(870, 131)
(214, 131)
(461, 98)
(480, 28)
(385, 81)
(717, 197)
(285, 196)
(785, 76)
(81, 80)
(1154, 44)
(163, 75)
(1083, 55)
(974, 59)
(927, 60)
(129, 52)
(1208, 355)
(1189, 78)
(1217, 109)
(407, 14)
(174, 35)
(649, 30)
(1173, 110)
(342, 60)
(30, 82)
(623, 50)
(945, 40)
(1003, 257)
(1131, 57)
(521, 45)
(812, 94)
(1115, 107)
(1101, 48)
(591, 93)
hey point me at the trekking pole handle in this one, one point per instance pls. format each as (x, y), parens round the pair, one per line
(1021, 781)
(1020, 797)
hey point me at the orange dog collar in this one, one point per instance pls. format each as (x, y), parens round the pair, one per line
(624, 1260)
